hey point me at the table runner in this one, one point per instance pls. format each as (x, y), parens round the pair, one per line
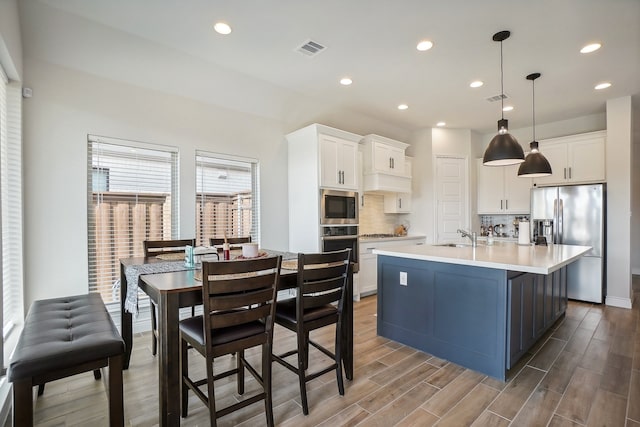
(133, 272)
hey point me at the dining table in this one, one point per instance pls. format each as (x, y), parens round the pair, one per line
(173, 290)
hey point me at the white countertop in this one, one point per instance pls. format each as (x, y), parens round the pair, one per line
(501, 255)
(391, 239)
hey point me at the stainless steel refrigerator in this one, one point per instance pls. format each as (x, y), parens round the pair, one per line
(575, 215)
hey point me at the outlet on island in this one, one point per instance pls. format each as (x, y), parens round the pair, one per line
(403, 278)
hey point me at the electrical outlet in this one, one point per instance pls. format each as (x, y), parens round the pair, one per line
(403, 278)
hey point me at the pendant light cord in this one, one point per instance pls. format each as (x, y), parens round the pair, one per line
(533, 82)
(501, 84)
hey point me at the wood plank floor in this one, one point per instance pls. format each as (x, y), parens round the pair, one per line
(585, 372)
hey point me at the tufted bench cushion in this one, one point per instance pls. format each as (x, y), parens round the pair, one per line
(62, 337)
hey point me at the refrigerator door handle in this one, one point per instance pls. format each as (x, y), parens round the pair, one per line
(560, 221)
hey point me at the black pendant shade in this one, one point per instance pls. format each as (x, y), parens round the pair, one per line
(535, 165)
(503, 149)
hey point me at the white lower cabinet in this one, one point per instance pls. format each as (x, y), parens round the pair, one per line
(368, 261)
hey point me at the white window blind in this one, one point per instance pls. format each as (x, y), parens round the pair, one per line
(227, 197)
(132, 197)
(11, 203)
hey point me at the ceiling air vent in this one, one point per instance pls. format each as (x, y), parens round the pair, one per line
(311, 48)
(497, 98)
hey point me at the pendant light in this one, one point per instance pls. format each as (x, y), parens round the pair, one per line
(503, 149)
(535, 165)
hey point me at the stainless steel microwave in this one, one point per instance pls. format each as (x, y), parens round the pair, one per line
(338, 207)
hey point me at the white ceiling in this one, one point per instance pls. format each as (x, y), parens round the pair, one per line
(170, 45)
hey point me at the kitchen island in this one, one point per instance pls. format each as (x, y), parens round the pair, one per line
(481, 308)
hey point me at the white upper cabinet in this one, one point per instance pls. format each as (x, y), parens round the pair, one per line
(384, 155)
(387, 158)
(575, 159)
(501, 191)
(338, 163)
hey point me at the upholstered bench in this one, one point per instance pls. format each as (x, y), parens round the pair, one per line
(63, 337)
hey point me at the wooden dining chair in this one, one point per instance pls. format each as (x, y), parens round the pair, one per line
(239, 306)
(320, 293)
(155, 248)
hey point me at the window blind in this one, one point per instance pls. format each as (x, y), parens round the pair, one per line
(227, 197)
(11, 203)
(133, 193)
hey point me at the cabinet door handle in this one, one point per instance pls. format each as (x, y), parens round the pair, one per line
(501, 204)
(569, 172)
(393, 163)
(565, 173)
(400, 203)
(390, 166)
(506, 204)
(341, 177)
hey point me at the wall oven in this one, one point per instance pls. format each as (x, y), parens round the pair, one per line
(338, 207)
(336, 238)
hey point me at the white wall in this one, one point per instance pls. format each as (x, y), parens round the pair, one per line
(66, 106)
(619, 181)
(635, 190)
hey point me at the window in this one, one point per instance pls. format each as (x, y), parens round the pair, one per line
(227, 197)
(11, 209)
(132, 197)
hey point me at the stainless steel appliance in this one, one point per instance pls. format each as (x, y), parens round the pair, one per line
(338, 207)
(575, 215)
(335, 238)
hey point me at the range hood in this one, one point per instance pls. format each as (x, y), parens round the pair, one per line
(384, 183)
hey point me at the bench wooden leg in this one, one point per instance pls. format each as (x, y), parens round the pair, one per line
(116, 405)
(23, 402)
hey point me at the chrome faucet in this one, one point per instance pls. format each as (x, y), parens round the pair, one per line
(473, 236)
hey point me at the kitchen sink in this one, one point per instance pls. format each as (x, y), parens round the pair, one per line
(456, 245)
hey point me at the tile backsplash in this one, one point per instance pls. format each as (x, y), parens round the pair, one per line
(372, 216)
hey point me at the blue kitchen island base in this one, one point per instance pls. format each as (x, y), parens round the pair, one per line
(481, 318)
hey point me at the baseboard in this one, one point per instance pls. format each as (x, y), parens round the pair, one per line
(618, 302)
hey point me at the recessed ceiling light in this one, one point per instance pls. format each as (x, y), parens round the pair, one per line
(424, 45)
(440, 124)
(222, 28)
(590, 48)
(345, 81)
(475, 84)
(403, 107)
(602, 85)
(507, 108)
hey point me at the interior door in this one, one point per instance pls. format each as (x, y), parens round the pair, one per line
(451, 198)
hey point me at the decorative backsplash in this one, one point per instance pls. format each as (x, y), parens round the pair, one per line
(374, 220)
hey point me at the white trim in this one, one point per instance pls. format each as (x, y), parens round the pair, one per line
(5, 401)
(132, 143)
(618, 302)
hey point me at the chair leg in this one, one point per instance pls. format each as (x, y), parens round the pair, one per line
(213, 418)
(306, 353)
(184, 368)
(116, 399)
(97, 374)
(22, 402)
(240, 375)
(302, 356)
(338, 357)
(266, 381)
(154, 329)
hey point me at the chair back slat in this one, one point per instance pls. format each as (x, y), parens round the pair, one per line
(155, 247)
(239, 317)
(233, 301)
(321, 299)
(216, 241)
(243, 282)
